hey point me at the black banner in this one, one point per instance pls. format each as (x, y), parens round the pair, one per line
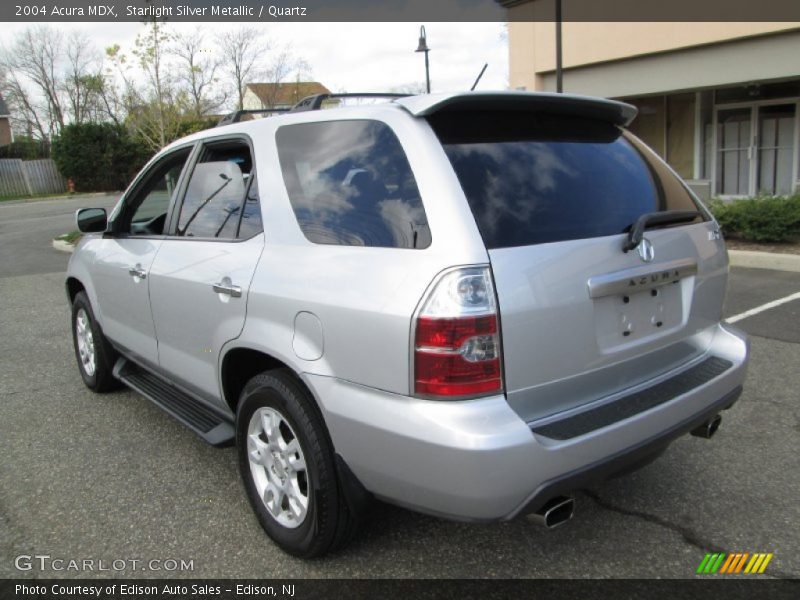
(302, 589)
(397, 10)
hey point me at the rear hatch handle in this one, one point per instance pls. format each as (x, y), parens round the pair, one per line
(667, 217)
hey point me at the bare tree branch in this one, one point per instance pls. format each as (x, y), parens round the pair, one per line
(242, 50)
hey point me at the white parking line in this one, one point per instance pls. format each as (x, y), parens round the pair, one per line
(763, 307)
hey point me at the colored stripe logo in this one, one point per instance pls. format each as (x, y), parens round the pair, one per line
(734, 563)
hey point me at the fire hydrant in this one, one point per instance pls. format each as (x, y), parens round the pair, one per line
(70, 186)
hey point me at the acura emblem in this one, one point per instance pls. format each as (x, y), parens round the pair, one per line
(646, 252)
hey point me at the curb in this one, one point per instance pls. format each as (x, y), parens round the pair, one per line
(64, 197)
(752, 259)
(63, 246)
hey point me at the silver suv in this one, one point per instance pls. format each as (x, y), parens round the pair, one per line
(468, 304)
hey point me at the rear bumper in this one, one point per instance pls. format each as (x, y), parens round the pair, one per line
(478, 460)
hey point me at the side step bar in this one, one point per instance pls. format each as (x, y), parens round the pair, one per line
(204, 421)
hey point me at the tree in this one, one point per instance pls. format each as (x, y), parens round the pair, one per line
(241, 49)
(35, 61)
(83, 80)
(150, 49)
(199, 72)
(283, 64)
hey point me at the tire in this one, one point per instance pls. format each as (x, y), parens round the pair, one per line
(307, 515)
(93, 351)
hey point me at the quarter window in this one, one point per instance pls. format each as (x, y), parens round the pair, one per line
(350, 184)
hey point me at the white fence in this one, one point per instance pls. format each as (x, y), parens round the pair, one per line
(30, 177)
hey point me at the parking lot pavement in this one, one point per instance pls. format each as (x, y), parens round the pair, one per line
(112, 477)
(27, 228)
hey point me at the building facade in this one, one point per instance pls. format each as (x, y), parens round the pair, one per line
(719, 101)
(259, 96)
(6, 135)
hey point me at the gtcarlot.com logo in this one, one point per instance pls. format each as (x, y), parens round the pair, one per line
(734, 563)
(45, 562)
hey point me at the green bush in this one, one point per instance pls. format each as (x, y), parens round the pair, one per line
(759, 219)
(26, 148)
(98, 156)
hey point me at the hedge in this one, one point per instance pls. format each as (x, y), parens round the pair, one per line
(98, 156)
(760, 219)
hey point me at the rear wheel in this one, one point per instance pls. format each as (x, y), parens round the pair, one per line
(287, 465)
(93, 351)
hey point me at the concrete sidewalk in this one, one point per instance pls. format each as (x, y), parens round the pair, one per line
(765, 260)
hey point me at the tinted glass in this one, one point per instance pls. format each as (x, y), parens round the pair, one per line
(251, 214)
(350, 184)
(215, 193)
(148, 209)
(534, 179)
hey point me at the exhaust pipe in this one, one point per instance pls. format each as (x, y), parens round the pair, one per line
(708, 429)
(555, 512)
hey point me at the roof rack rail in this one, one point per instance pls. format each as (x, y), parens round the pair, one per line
(315, 102)
(237, 115)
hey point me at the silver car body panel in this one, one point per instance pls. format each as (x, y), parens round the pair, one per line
(477, 460)
(192, 331)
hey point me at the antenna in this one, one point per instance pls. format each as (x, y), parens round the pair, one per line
(474, 85)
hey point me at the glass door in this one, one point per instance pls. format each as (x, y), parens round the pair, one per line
(734, 151)
(775, 148)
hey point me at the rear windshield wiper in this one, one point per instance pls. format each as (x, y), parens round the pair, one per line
(667, 217)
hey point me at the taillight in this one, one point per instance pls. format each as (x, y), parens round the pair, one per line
(456, 337)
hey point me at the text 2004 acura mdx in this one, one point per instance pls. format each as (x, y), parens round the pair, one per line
(467, 304)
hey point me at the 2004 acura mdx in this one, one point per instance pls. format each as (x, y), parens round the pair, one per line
(466, 304)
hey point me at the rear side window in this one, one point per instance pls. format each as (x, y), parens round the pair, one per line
(532, 179)
(350, 184)
(215, 196)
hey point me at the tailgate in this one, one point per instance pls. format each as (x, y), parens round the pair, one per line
(581, 320)
(554, 197)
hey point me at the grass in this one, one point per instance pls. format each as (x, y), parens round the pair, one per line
(71, 238)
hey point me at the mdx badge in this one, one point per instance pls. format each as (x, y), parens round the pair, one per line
(646, 251)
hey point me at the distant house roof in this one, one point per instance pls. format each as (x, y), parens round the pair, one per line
(4, 112)
(286, 94)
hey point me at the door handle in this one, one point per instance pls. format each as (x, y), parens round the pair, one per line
(226, 287)
(137, 271)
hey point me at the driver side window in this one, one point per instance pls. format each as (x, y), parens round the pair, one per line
(146, 213)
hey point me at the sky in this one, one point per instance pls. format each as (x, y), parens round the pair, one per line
(360, 57)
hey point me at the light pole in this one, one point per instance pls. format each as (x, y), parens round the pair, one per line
(423, 47)
(559, 50)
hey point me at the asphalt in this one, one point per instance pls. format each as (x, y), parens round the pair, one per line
(86, 476)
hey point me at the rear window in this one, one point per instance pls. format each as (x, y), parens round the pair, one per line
(350, 184)
(532, 179)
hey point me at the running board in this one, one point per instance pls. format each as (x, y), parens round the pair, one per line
(198, 417)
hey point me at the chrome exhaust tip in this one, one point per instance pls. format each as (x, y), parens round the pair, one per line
(555, 512)
(708, 429)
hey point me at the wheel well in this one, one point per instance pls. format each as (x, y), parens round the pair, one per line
(73, 287)
(239, 366)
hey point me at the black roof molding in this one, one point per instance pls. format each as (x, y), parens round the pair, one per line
(237, 115)
(315, 102)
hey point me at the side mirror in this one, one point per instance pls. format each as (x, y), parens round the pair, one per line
(91, 220)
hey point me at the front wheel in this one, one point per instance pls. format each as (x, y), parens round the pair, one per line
(287, 465)
(92, 350)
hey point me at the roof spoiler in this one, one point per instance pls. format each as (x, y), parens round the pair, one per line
(618, 113)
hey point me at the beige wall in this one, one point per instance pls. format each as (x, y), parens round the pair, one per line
(532, 43)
